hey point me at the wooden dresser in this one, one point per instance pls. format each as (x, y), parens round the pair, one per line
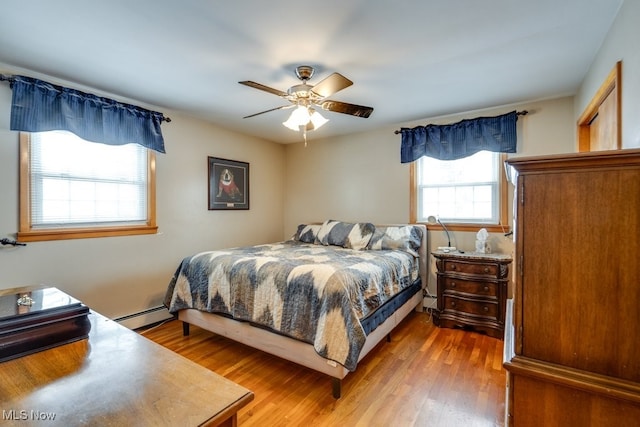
(572, 348)
(472, 290)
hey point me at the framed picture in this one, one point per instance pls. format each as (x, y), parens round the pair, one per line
(228, 184)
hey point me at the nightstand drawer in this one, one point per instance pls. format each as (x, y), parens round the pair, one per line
(476, 308)
(452, 284)
(471, 268)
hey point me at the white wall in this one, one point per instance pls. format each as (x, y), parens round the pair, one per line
(621, 44)
(360, 177)
(118, 276)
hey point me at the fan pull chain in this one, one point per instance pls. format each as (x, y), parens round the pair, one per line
(304, 134)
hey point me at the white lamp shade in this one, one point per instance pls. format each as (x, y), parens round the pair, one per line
(299, 117)
(318, 120)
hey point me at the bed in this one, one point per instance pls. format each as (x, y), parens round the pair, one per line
(322, 299)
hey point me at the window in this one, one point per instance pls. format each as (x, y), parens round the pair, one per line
(71, 188)
(464, 193)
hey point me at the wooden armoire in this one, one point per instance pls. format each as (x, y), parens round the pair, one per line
(572, 340)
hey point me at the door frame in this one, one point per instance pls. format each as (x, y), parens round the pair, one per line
(611, 85)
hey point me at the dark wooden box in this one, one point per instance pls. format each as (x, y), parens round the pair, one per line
(53, 318)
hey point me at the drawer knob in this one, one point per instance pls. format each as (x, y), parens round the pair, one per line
(486, 289)
(453, 284)
(485, 308)
(453, 266)
(486, 269)
(453, 303)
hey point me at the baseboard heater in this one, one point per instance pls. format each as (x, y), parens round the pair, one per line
(145, 317)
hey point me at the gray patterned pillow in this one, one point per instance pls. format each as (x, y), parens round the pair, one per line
(404, 237)
(307, 233)
(346, 234)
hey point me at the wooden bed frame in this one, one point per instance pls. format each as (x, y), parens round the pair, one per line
(300, 352)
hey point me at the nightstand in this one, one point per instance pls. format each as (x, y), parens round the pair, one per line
(472, 291)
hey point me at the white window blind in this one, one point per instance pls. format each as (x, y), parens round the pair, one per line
(460, 191)
(75, 183)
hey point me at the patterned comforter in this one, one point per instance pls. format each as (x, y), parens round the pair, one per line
(313, 293)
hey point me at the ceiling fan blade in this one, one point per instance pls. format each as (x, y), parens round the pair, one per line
(263, 87)
(268, 111)
(332, 84)
(344, 108)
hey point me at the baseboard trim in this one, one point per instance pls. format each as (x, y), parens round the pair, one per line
(144, 318)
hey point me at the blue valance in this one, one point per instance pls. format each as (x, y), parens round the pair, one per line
(459, 140)
(38, 106)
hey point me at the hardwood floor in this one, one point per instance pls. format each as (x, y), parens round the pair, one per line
(426, 376)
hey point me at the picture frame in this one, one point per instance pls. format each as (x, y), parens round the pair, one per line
(228, 186)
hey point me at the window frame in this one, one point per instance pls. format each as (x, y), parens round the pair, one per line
(503, 210)
(27, 233)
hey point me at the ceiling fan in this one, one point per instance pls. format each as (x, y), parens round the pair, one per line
(305, 97)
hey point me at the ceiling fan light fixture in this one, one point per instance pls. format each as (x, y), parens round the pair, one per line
(302, 116)
(299, 117)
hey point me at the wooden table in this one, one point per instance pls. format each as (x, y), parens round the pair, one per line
(115, 377)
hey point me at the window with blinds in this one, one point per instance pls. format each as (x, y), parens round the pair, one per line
(460, 191)
(76, 184)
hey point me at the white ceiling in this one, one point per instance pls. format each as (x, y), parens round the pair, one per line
(409, 59)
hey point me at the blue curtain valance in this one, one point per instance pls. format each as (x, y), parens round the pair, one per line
(459, 140)
(38, 106)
